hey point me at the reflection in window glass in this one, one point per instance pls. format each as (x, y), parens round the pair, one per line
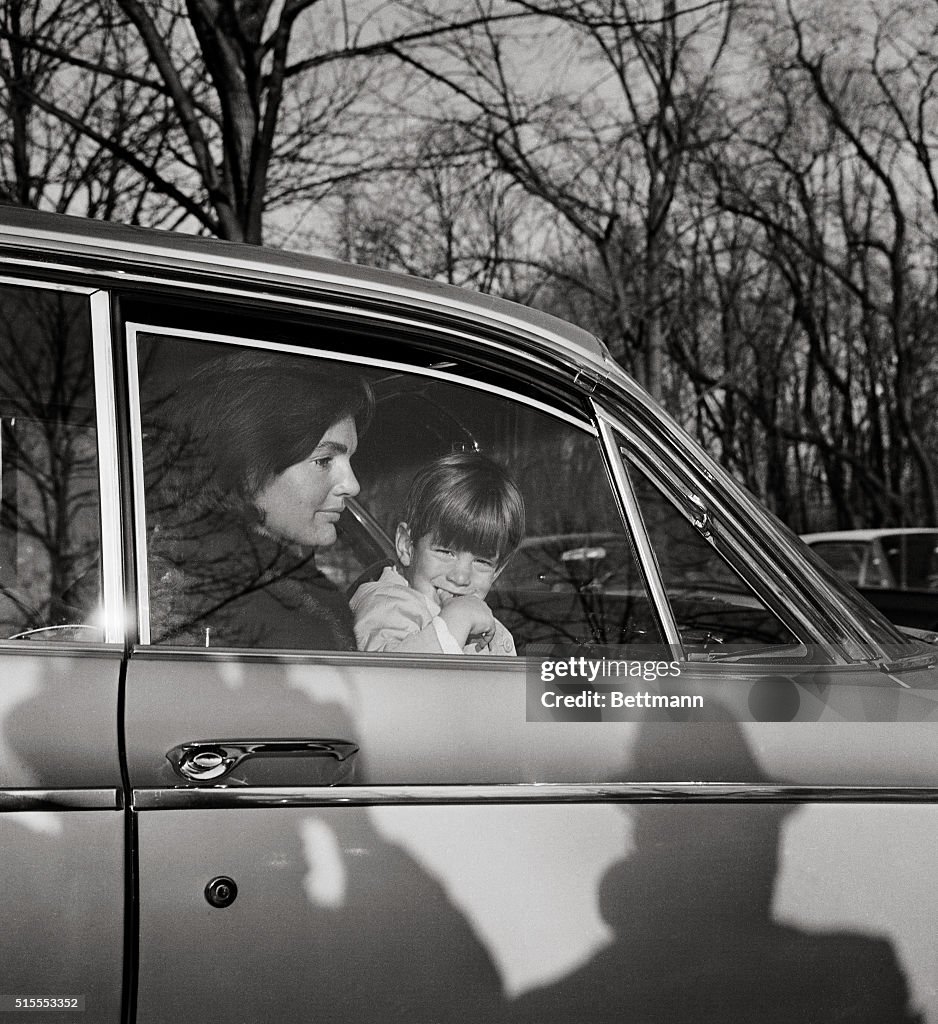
(220, 574)
(913, 560)
(856, 562)
(573, 580)
(50, 575)
(248, 470)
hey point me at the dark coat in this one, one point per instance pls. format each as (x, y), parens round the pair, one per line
(220, 583)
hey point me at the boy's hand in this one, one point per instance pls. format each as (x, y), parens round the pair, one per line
(467, 616)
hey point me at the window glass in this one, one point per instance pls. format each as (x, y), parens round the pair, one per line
(50, 571)
(856, 561)
(711, 603)
(220, 575)
(912, 559)
(573, 579)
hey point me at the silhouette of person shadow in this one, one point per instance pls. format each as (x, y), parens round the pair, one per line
(695, 942)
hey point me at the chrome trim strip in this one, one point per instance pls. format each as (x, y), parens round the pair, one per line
(59, 800)
(60, 649)
(49, 286)
(383, 364)
(137, 483)
(112, 552)
(211, 798)
(633, 515)
(336, 659)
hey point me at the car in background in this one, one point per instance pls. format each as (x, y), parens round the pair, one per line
(895, 569)
(241, 832)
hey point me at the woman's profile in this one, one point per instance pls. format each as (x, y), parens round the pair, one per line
(249, 468)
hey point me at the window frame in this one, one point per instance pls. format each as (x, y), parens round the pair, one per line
(111, 538)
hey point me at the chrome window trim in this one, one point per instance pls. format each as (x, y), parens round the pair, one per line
(209, 798)
(648, 562)
(137, 483)
(49, 286)
(794, 616)
(112, 550)
(134, 328)
(20, 800)
(674, 441)
(62, 648)
(345, 659)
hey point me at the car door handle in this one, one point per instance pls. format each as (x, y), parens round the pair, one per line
(211, 760)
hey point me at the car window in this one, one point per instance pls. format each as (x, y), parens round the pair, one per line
(50, 567)
(854, 560)
(572, 580)
(912, 559)
(847, 557)
(712, 603)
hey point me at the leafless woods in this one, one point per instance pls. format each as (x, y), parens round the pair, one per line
(739, 196)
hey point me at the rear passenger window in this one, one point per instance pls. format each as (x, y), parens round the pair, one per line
(50, 567)
(227, 567)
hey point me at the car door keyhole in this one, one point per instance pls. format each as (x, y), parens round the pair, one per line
(221, 892)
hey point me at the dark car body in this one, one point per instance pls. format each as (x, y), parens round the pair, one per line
(248, 833)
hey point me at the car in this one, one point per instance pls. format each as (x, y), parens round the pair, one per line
(895, 569)
(704, 789)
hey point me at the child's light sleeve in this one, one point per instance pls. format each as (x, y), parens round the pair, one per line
(395, 618)
(501, 643)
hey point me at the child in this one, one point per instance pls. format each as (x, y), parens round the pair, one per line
(463, 519)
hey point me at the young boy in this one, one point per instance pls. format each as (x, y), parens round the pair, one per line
(463, 519)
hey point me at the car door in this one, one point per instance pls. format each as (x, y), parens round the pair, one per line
(395, 837)
(61, 642)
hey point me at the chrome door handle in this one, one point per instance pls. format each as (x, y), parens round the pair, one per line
(211, 760)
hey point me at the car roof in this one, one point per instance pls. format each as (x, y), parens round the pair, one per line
(132, 253)
(867, 535)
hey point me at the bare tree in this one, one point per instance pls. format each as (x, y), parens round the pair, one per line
(824, 173)
(606, 151)
(53, 54)
(453, 218)
(257, 102)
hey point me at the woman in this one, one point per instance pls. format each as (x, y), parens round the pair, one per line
(253, 469)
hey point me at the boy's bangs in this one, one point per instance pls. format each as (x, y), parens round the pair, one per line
(467, 503)
(483, 531)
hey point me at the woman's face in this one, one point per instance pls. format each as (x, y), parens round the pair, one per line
(303, 503)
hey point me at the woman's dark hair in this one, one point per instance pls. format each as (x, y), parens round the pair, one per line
(243, 419)
(467, 502)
